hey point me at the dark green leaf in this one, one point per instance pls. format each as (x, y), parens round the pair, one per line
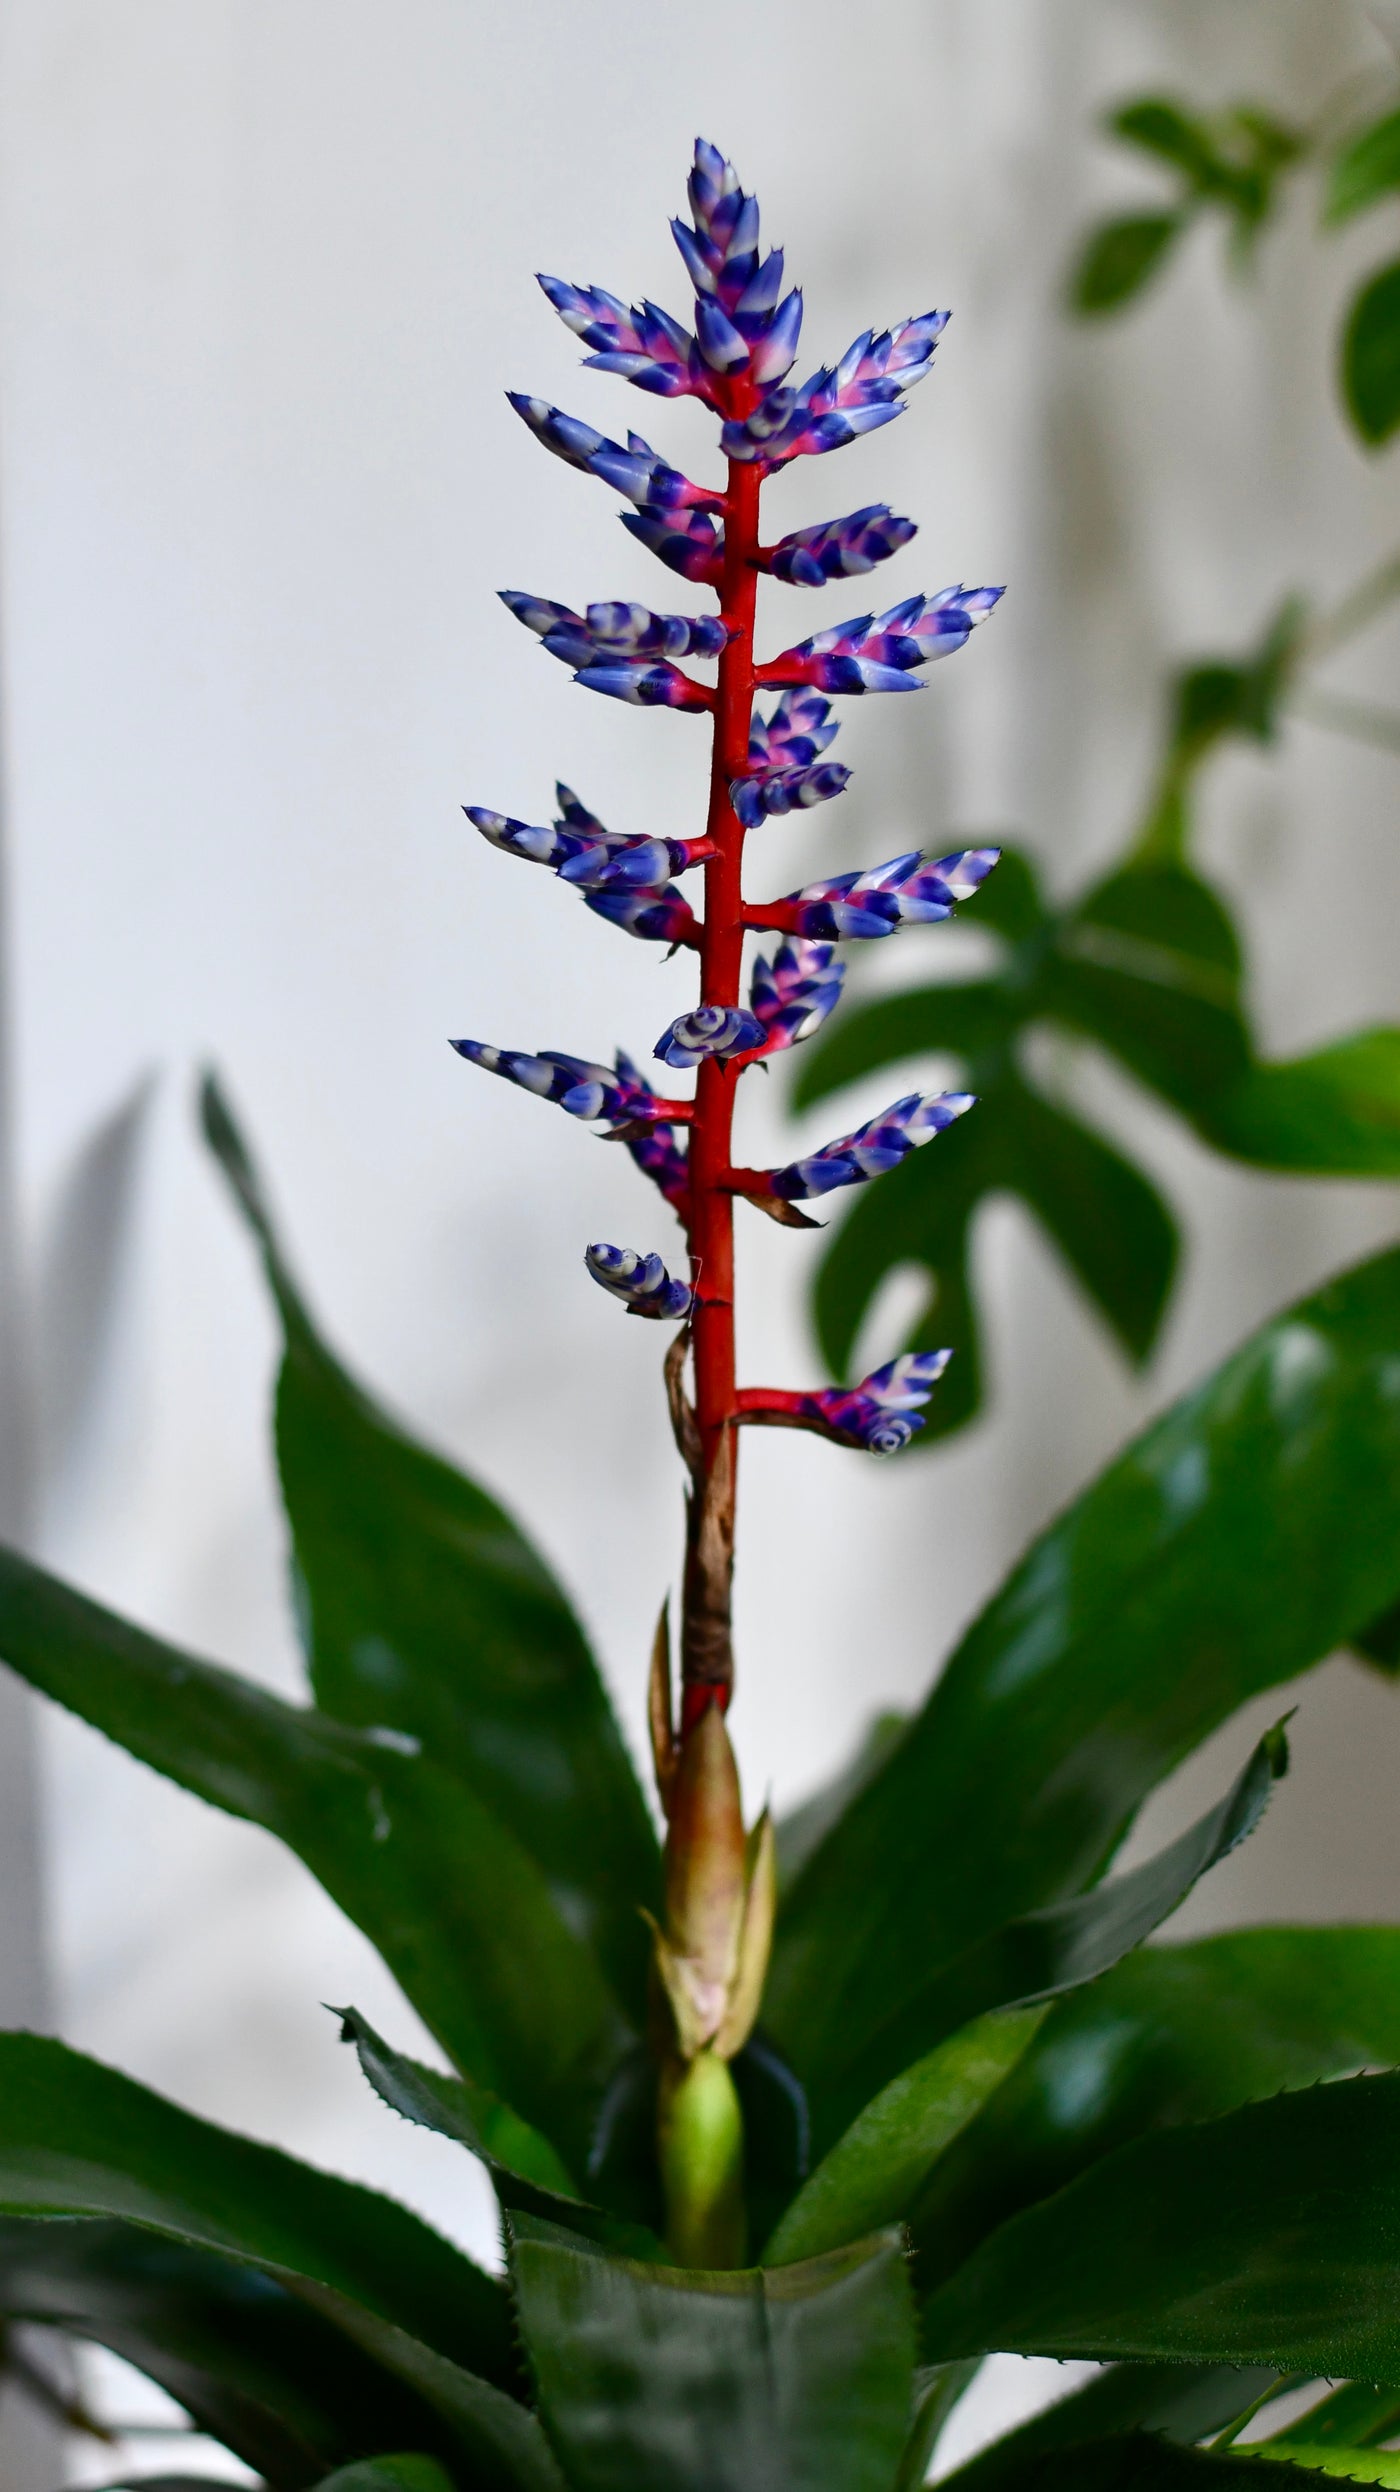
(1354, 2417)
(1354, 2465)
(1108, 1220)
(1170, 2035)
(1268, 2236)
(1175, 2401)
(1378, 1643)
(458, 1910)
(273, 2380)
(1057, 1948)
(424, 1607)
(937, 2389)
(874, 2174)
(1365, 170)
(77, 2139)
(964, 1017)
(528, 2174)
(1119, 258)
(1240, 1539)
(1335, 1113)
(1148, 965)
(389, 2474)
(1163, 129)
(1371, 356)
(653, 2379)
(1139, 2463)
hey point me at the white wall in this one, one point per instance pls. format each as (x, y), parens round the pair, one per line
(266, 272)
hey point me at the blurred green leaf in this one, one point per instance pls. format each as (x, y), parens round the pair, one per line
(423, 1607)
(389, 2474)
(1119, 258)
(1353, 2417)
(669, 2380)
(937, 2390)
(1335, 1113)
(1241, 1538)
(1163, 128)
(1139, 2462)
(1365, 170)
(873, 2174)
(460, 1913)
(273, 2380)
(1173, 2033)
(1056, 1948)
(799, 1833)
(1371, 357)
(1267, 2236)
(77, 2139)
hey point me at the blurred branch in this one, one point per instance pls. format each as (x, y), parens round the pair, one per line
(1357, 610)
(1364, 721)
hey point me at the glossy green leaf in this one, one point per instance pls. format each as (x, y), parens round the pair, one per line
(1240, 1539)
(527, 2172)
(1037, 1955)
(1371, 357)
(276, 2382)
(457, 1909)
(1139, 2462)
(78, 2140)
(1118, 260)
(1178, 2401)
(1269, 2236)
(799, 1833)
(424, 1608)
(1357, 2465)
(1172, 2034)
(651, 2379)
(937, 2390)
(1365, 170)
(389, 2474)
(876, 2171)
(1353, 2417)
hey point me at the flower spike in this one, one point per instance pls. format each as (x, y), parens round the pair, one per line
(876, 652)
(643, 345)
(869, 1152)
(864, 390)
(642, 1282)
(912, 890)
(792, 994)
(588, 1091)
(881, 1414)
(839, 549)
(636, 471)
(744, 323)
(710, 1030)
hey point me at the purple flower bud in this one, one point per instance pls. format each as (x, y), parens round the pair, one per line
(721, 254)
(874, 653)
(690, 542)
(784, 791)
(792, 994)
(799, 728)
(882, 1413)
(654, 917)
(583, 853)
(709, 1030)
(840, 549)
(912, 890)
(588, 1091)
(772, 354)
(719, 341)
(615, 629)
(636, 471)
(646, 687)
(642, 1282)
(873, 1149)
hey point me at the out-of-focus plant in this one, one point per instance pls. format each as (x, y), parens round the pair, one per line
(788, 2127)
(1147, 966)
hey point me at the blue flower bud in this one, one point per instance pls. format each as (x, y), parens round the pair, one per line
(642, 1282)
(710, 1030)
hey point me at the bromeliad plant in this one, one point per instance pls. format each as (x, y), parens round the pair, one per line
(788, 2128)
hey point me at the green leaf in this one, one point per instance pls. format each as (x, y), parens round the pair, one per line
(77, 2139)
(1241, 1538)
(1358, 2465)
(1353, 2417)
(652, 2379)
(1108, 1220)
(1335, 1113)
(1172, 2034)
(424, 1608)
(1118, 260)
(963, 1017)
(276, 2382)
(1371, 357)
(874, 2173)
(527, 2172)
(799, 1833)
(457, 1909)
(1268, 2236)
(1163, 129)
(389, 2474)
(1148, 965)
(1137, 2463)
(1177, 2401)
(937, 2390)
(1056, 1948)
(1365, 170)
